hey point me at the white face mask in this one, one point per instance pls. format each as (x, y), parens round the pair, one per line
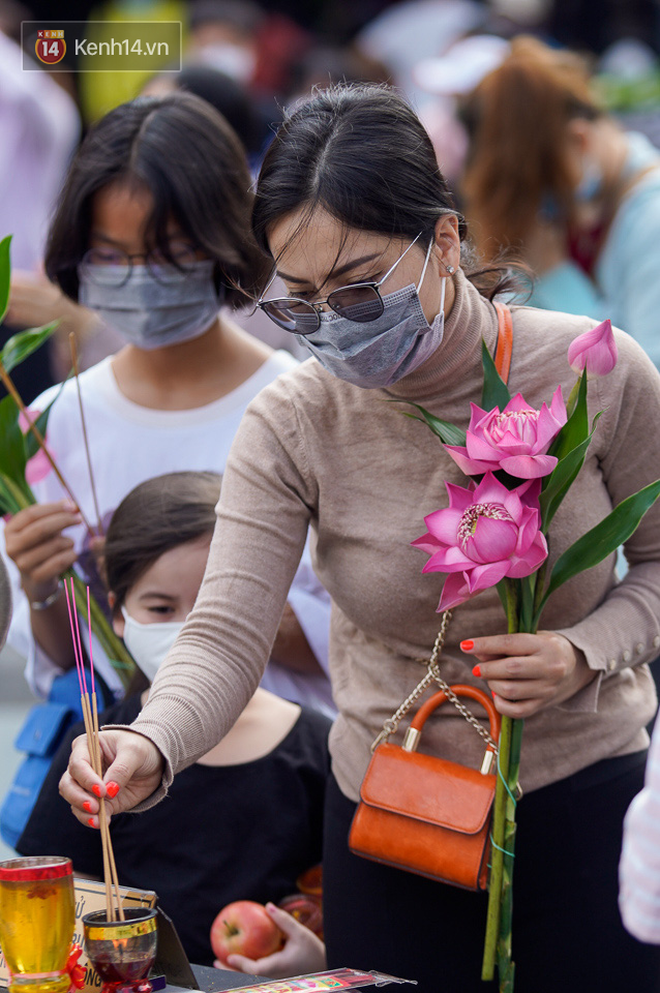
(149, 643)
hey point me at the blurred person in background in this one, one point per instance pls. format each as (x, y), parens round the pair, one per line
(405, 33)
(553, 179)
(255, 47)
(40, 126)
(224, 34)
(639, 869)
(448, 77)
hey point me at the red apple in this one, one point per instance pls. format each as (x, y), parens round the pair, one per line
(245, 928)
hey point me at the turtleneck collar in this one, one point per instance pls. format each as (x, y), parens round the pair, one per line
(470, 319)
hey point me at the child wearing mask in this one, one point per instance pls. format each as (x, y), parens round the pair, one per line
(245, 820)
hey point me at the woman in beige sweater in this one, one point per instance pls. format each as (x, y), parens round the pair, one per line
(350, 192)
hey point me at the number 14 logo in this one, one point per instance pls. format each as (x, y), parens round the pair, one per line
(50, 46)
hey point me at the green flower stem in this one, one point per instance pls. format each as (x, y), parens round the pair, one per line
(496, 857)
(538, 595)
(519, 596)
(505, 965)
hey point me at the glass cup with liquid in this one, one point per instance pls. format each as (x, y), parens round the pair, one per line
(37, 919)
(122, 952)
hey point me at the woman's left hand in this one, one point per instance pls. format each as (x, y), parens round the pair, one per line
(529, 672)
(303, 952)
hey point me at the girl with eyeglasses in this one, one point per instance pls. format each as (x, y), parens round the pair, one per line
(360, 225)
(152, 232)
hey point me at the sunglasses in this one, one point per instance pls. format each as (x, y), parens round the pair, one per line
(361, 302)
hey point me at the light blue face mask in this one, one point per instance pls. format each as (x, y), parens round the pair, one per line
(149, 313)
(378, 353)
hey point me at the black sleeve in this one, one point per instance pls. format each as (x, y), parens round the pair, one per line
(52, 829)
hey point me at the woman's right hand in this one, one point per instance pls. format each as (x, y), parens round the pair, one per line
(133, 770)
(34, 541)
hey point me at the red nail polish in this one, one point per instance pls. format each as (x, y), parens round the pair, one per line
(476, 672)
(96, 790)
(91, 823)
(467, 646)
(112, 789)
(87, 806)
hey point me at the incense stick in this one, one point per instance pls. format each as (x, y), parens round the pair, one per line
(90, 717)
(88, 731)
(95, 719)
(74, 361)
(16, 397)
(98, 764)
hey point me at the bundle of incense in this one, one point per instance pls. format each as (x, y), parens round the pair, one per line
(91, 719)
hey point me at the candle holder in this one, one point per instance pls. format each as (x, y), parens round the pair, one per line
(122, 952)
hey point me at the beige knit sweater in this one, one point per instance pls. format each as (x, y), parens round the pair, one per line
(314, 449)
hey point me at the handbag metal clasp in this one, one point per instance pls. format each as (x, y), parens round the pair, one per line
(487, 763)
(411, 740)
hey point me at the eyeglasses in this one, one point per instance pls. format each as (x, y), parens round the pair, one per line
(118, 264)
(359, 302)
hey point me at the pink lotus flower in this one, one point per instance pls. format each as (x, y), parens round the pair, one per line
(595, 349)
(486, 533)
(38, 466)
(515, 440)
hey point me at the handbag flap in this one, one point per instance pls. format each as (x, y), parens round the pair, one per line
(42, 728)
(428, 789)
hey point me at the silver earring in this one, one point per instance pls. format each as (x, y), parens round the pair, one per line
(450, 269)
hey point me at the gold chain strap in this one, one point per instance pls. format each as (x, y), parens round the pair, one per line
(433, 675)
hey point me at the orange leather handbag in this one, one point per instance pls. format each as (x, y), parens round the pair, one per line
(422, 813)
(419, 812)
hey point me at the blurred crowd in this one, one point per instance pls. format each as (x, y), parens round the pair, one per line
(253, 61)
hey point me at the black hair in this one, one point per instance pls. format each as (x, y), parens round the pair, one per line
(153, 518)
(229, 98)
(193, 165)
(361, 153)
